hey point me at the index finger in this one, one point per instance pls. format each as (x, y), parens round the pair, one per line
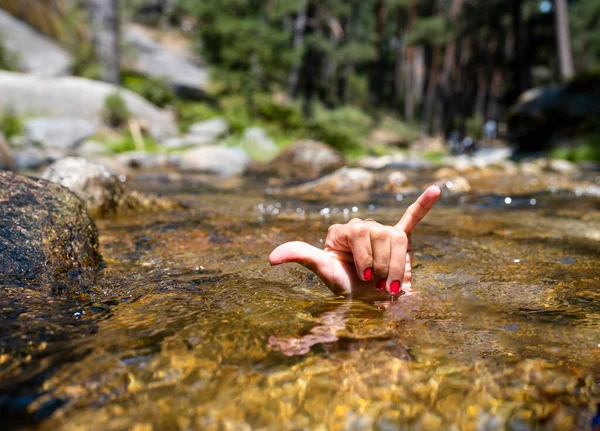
(417, 211)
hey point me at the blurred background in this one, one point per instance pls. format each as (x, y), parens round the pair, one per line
(367, 77)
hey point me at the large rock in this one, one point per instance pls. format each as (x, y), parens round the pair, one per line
(212, 159)
(73, 97)
(104, 193)
(342, 181)
(45, 230)
(146, 55)
(6, 158)
(61, 133)
(257, 143)
(305, 160)
(213, 128)
(34, 53)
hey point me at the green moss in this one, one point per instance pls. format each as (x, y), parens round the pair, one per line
(11, 124)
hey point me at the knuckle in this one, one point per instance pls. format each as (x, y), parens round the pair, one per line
(378, 233)
(359, 230)
(399, 237)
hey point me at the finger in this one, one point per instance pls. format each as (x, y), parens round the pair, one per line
(315, 259)
(417, 211)
(380, 245)
(407, 281)
(353, 237)
(398, 247)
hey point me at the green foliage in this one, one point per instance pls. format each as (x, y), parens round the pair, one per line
(155, 90)
(434, 31)
(285, 114)
(474, 127)
(11, 124)
(126, 143)
(115, 112)
(237, 113)
(585, 148)
(8, 60)
(189, 113)
(343, 128)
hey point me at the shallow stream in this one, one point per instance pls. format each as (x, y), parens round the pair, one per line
(189, 328)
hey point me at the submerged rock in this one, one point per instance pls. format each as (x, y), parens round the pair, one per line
(396, 181)
(45, 230)
(212, 159)
(304, 160)
(103, 192)
(345, 180)
(456, 185)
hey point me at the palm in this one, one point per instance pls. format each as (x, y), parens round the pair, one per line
(335, 264)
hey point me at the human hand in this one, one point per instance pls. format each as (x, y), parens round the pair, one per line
(362, 258)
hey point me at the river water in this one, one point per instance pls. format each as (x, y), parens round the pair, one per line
(188, 327)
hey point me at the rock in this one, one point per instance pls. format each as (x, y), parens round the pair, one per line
(141, 160)
(456, 185)
(91, 148)
(212, 159)
(46, 231)
(531, 168)
(213, 128)
(307, 159)
(461, 164)
(563, 166)
(6, 158)
(344, 180)
(445, 173)
(388, 137)
(485, 157)
(34, 53)
(29, 159)
(146, 55)
(394, 161)
(256, 142)
(396, 181)
(104, 193)
(61, 133)
(73, 97)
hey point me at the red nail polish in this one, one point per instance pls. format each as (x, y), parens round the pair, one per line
(368, 274)
(381, 284)
(436, 184)
(395, 288)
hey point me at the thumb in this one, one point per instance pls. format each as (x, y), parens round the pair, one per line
(315, 259)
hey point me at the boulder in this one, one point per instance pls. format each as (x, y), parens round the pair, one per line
(73, 97)
(396, 181)
(456, 185)
(213, 128)
(142, 160)
(393, 161)
(6, 157)
(485, 157)
(343, 181)
(211, 159)
(305, 160)
(29, 158)
(257, 143)
(61, 133)
(103, 192)
(34, 53)
(92, 148)
(46, 231)
(145, 54)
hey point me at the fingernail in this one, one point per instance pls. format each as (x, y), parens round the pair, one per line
(381, 284)
(436, 184)
(395, 288)
(368, 274)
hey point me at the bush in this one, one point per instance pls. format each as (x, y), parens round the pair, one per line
(115, 113)
(8, 60)
(284, 114)
(189, 113)
(237, 113)
(585, 148)
(11, 124)
(343, 128)
(126, 143)
(155, 90)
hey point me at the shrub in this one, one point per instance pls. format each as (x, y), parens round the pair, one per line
(343, 128)
(189, 113)
(11, 124)
(126, 143)
(284, 114)
(155, 90)
(237, 113)
(115, 113)
(8, 60)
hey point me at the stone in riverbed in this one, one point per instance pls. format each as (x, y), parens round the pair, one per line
(60, 133)
(211, 159)
(104, 193)
(304, 160)
(45, 230)
(345, 180)
(211, 129)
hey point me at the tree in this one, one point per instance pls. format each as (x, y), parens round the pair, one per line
(563, 40)
(104, 16)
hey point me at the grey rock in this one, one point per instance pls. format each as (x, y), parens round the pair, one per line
(396, 181)
(34, 52)
(456, 185)
(46, 231)
(175, 143)
(213, 128)
(61, 133)
(256, 142)
(306, 159)
(146, 55)
(217, 160)
(73, 97)
(29, 158)
(92, 148)
(394, 161)
(342, 181)
(141, 160)
(6, 157)
(563, 166)
(485, 157)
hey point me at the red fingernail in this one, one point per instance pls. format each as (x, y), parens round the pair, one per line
(395, 288)
(381, 284)
(368, 274)
(436, 184)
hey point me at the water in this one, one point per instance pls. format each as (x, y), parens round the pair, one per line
(189, 328)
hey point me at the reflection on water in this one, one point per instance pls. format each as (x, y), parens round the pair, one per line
(188, 327)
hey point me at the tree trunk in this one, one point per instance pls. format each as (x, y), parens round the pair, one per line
(409, 97)
(104, 15)
(299, 30)
(563, 40)
(309, 66)
(378, 69)
(434, 73)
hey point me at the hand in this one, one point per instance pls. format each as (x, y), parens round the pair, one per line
(362, 258)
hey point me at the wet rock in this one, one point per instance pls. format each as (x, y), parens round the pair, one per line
(344, 180)
(61, 133)
(212, 129)
(531, 168)
(305, 160)
(147, 55)
(103, 192)
(396, 181)
(461, 164)
(456, 185)
(394, 161)
(34, 52)
(485, 157)
(142, 160)
(256, 142)
(74, 97)
(563, 166)
(46, 230)
(445, 173)
(222, 161)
